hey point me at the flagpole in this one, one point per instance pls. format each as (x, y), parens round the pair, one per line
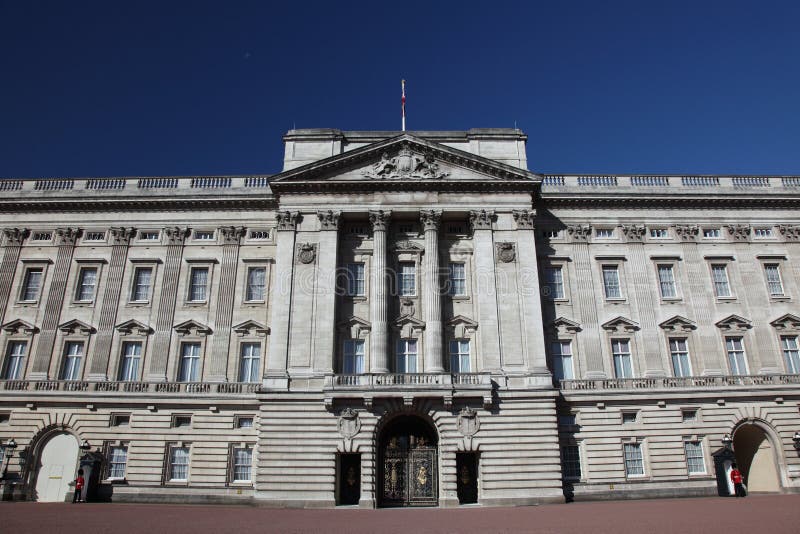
(403, 102)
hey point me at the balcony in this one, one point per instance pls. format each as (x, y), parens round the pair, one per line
(131, 388)
(408, 386)
(685, 382)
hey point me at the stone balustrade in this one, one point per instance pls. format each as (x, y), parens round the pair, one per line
(697, 183)
(685, 382)
(157, 388)
(100, 185)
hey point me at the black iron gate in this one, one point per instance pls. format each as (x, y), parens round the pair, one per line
(409, 472)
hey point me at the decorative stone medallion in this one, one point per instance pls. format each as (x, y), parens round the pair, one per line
(349, 423)
(406, 307)
(506, 252)
(468, 423)
(307, 253)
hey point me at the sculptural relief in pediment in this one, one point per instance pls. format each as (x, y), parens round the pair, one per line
(406, 165)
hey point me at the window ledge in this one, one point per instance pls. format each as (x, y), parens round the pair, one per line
(196, 303)
(357, 298)
(726, 299)
(780, 298)
(616, 300)
(671, 299)
(457, 298)
(138, 304)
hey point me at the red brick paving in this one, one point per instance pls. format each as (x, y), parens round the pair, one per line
(769, 514)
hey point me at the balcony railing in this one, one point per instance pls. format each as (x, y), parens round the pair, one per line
(156, 388)
(679, 382)
(414, 380)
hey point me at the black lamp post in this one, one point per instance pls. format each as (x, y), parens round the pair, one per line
(727, 441)
(796, 439)
(85, 446)
(10, 446)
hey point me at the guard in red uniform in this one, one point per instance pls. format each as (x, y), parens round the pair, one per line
(78, 487)
(738, 481)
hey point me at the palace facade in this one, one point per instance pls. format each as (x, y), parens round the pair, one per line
(399, 319)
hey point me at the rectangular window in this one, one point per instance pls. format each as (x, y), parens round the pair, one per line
(712, 233)
(14, 366)
(688, 416)
(604, 233)
(355, 280)
(256, 284)
(407, 356)
(181, 421)
(774, 283)
(178, 464)
(659, 233)
(250, 366)
(142, 280)
(42, 236)
(719, 273)
(405, 228)
(148, 235)
(353, 357)
(666, 281)
(458, 279)
(736, 356)
(120, 419)
(567, 419)
(762, 233)
(629, 417)
(679, 352)
(117, 460)
(73, 354)
(634, 464)
(258, 234)
(407, 279)
(562, 360)
(242, 464)
(203, 235)
(459, 356)
(695, 460)
(95, 236)
(131, 356)
(198, 284)
(571, 461)
(190, 363)
(554, 280)
(550, 234)
(620, 349)
(790, 354)
(32, 284)
(87, 281)
(611, 282)
(244, 422)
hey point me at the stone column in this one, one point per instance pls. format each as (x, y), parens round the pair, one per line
(165, 315)
(14, 237)
(218, 368)
(432, 299)
(120, 239)
(378, 305)
(65, 239)
(486, 289)
(324, 342)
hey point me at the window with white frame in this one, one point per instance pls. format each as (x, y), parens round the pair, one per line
(142, 282)
(353, 356)
(406, 356)
(14, 365)
(458, 279)
(679, 353)
(198, 284)
(406, 279)
(695, 459)
(571, 461)
(621, 352)
(604, 233)
(666, 281)
(762, 233)
(189, 370)
(242, 464)
(87, 282)
(129, 363)
(258, 235)
(688, 416)
(250, 362)
(791, 355)
(459, 356)
(554, 279)
(630, 417)
(256, 284)
(659, 233)
(178, 465)
(719, 274)
(149, 235)
(32, 284)
(562, 360)
(204, 235)
(42, 236)
(243, 421)
(95, 236)
(634, 462)
(737, 359)
(73, 354)
(117, 461)
(611, 282)
(774, 282)
(712, 233)
(356, 285)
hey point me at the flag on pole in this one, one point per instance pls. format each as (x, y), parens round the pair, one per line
(403, 102)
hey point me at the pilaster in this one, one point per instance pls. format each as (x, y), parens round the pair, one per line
(432, 307)
(486, 289)
(13, 239)
(378, 305)
(324, 343)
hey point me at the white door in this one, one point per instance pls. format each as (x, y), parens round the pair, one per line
(59, 461)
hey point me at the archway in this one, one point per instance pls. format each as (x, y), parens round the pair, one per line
(755, 456)
(58, 462)
(408, 467)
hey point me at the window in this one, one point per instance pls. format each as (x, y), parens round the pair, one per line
(95, 236)
(567, 419)
(611, 282)
(712, 233)
(620, 349)
(455, 228)
(242, 464)
(249, 369)
(357, 229)
(736, 356)
(243, 422)
(181, 421)
(355, 279)
(178, 466)
(659, 233)
(679, 352)
(459, 356)
(634, 464)
(554, 278)
(666, 281)
(719, 274)
(73, 354)
(407, 279)
(120, 419)
(407, 356)
(117, 460)
(695, 460)
(353, 356)
(790, 354)
(258, 234)
(550, 234)
(774, 283)
(256, 284)
(629, 417)
(604, 233)
(562, 360)
(42, 236)
(87, 281)
(198, 284)
(190, 363)
(148, 235)
(405, 228)
(5, 418)
(32, 284)
(131, 356)
(571, 461)
(203, 235)
(142, 280)
(458, 279)
(689, 416)
(15, 358)
(762, 233)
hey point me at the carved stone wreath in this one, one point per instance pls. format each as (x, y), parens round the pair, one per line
(506, 252)
(349, 423)
(468, 423)
(307, 253)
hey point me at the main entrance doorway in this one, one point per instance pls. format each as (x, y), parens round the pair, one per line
(756, 459)
(408, 465)
(58, 462)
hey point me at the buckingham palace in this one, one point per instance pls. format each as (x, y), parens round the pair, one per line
(399, 319)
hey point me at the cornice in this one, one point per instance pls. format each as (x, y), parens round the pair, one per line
(84, 205)
(649, 202)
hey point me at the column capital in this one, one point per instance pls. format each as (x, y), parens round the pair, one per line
(232, 234)
(380, 219)
(687, 232)
(67, 236)
(176, 235)
(580, 232)
(121, 235)
(481, 219)
(634, 233)
(287, 220)
(430, 219)
(329, 220)
(15, 236)
(524, 219)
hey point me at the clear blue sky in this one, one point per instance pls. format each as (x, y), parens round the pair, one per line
(136, 88)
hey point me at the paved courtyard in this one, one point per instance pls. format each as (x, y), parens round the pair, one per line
(775, 514)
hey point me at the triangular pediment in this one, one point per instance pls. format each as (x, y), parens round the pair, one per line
(356, 326)
(18, 326)
(788, 321)
(192, 327)
(564, 325)
(250, 327)
(409, 326)
(76, 327)
(462, 327)
(678, 323)
(404, 159)
(620, 324)
(133, 327)
(734, 322)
